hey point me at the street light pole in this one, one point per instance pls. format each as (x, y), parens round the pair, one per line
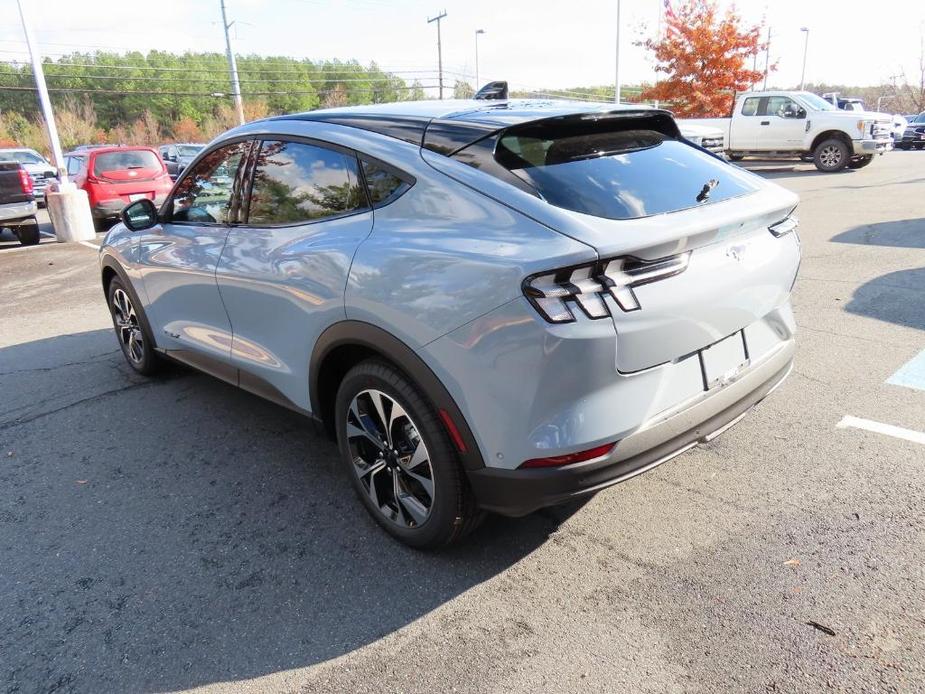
(617, 85)
(477, 32)
(805, 30)
(233, 68)
(439, 49)
(767, 59)
(45, 102)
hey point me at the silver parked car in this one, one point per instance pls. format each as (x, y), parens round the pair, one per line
(492, 306)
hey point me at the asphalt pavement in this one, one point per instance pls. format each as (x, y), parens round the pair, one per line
(177, 533)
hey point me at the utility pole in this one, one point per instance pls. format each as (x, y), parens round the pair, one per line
(767, 59)
(45, 102)
(232, 67)
(477, 32)
(617, 86)
(805, 30)
(439, 48)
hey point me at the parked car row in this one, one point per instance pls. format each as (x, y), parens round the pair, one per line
(914, 134)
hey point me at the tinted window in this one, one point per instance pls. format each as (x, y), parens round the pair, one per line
(74, 164)
(296, 182)
(383, 184)
(205, 193)
(129, 159)
(621, 174)
(750, 107)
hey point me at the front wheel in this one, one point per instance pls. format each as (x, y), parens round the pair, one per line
(831, 155)
(736, 157)
(860, 162)
(137, 346)
(400, 459)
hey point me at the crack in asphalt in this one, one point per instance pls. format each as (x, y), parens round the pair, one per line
(39, 369)
(26, 420)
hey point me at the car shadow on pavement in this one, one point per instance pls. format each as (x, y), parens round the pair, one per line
(897, 297)
(167, 533)
(905, 233)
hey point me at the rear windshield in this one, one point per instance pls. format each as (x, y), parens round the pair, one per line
(129, 159)
(622, 174)
(189, 150)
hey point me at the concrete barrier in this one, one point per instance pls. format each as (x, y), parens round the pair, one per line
(69, 210)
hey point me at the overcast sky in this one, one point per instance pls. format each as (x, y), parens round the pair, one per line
(529, 43)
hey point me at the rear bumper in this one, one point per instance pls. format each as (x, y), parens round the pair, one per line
(16, 211)
(111, 209)
(519, 492)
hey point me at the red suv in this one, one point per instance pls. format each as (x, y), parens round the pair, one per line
(115, 176)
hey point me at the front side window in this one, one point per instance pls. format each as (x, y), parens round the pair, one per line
(297, 182)
(750, 107)
(205, 194)
(73, 165)
(384, 185)
(617, 174)
(783, 107)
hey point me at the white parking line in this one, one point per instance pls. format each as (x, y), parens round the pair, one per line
(879, 428)
(89, 244)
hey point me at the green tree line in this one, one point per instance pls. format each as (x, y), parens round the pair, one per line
(194, 86)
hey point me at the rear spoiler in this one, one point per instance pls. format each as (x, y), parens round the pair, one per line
(450, 137)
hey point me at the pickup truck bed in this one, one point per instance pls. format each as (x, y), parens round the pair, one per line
(17, 204)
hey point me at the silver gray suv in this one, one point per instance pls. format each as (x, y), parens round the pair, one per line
(491, 306)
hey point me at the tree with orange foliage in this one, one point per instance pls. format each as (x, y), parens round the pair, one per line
(705, 55)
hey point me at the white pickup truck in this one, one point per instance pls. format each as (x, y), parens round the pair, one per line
(804, 125)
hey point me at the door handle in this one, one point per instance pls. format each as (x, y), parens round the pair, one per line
(766, 122)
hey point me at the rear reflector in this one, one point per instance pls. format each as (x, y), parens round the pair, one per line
(454, 432)
(560, 460)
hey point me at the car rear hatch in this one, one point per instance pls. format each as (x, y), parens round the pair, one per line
(128, 172)
(687, 255)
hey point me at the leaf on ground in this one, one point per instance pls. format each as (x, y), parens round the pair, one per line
(792, 562)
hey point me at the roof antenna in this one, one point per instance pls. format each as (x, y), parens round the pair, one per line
(493, 91)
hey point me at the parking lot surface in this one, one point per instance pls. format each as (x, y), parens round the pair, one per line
(175, 534)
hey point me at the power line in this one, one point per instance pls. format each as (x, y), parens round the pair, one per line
(212, 94)
(217, 78)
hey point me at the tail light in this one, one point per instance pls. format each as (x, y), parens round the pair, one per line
(555, 294)
(25, 182)
(785, 226)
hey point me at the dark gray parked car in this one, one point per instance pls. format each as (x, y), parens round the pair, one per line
(178, 156)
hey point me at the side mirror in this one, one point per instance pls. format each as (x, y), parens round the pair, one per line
(139, 215)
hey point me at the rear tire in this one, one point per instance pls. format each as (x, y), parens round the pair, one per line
(831, 155)
(129, 323)
(736, 157)
(860, 162)
(28, 233)
(400, 459)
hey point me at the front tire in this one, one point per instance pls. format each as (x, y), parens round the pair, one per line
(831, 155)
(860, 162)
(400, 459)
(137, 345)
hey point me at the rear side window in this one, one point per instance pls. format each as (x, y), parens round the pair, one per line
(74, 164)
(298, 182)
(750, 107)
(121, 161)
(384, 184)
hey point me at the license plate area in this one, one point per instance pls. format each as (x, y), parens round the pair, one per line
(722, 363)
(137, 196)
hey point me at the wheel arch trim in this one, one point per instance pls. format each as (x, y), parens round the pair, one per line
(352, 333)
